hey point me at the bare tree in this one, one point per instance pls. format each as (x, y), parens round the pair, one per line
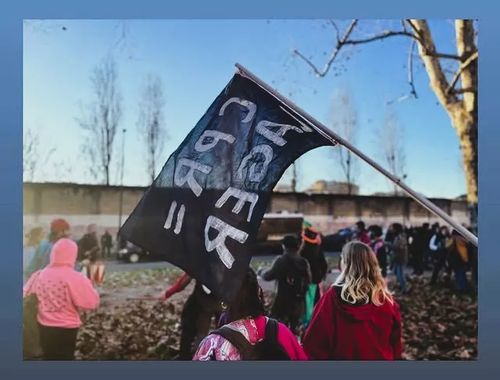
(150, 124)
(345, 123)
(34, 157)
(101, 119)
(456, 91)
(391, 142)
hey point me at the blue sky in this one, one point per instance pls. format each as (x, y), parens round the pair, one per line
(195, 60)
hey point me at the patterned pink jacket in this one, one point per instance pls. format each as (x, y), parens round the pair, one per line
(215, 347)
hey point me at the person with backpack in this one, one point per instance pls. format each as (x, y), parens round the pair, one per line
(380, 249)
(399, 254)
(60, 292)
(248, 333)
(437, 246)
(293, 274)
(312, 252)
(196, 315)
(357, 318)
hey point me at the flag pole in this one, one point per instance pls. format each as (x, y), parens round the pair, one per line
(336, 139)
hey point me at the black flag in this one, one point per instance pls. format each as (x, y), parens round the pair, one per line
(203, 211)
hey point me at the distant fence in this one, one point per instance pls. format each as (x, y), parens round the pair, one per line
(86, 204)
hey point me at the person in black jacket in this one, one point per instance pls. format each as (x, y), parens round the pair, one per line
(311, 251)
(106, 244)
(294, 276)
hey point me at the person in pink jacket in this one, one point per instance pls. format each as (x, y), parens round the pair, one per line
(248, 333)
(61, 292)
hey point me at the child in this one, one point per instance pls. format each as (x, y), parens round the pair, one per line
(61, 292)
(357, 318)
(379, 248)
(249, 334)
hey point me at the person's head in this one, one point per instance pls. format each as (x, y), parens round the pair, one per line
(63, 253)
(34, 236)
(311, 236)
(360, 278)
(435, 227)
(376, 231)
(291, 243)
(425, 226)
(397, 228)
(360, 226)
(59, 228)
(249, 302)
(91, 229)
(444, 231)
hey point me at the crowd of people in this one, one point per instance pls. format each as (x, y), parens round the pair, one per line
(356, 318)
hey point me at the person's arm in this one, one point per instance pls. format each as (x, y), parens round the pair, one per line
(396, 336)
(272, 273)
(178, 286)
(432, 243)
(29, 287)
(319, 336)
(82, 292)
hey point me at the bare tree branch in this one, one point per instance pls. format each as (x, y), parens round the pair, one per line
(335, 52)
(392, 146)
(413, 92)
(101, 118)
(334, 24)
(345, 123)
(417, 35)
(150, 123)
(463, 66)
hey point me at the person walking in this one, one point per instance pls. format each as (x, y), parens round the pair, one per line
(357, 318)
(361, 233)
(106, 244)
(380, 249)
(248, 333)
(399, 248)
(33, 239)
(199, 309)
(311, 251)
(293, 275)
(60, 292)
(59, 228)
(89, 254)
(459, 259)
(437, 246)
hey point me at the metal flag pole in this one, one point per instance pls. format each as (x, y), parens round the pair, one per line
(335, 139)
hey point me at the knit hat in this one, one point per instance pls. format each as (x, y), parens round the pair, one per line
(59, 225)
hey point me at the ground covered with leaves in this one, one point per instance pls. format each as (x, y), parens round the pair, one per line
(131, 325)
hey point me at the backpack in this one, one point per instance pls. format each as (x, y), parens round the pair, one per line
(296, 279)
(267, 349)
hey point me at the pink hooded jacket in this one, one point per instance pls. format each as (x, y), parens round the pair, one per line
(60, 289)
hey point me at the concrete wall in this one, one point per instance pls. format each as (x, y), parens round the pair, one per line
(85, 204)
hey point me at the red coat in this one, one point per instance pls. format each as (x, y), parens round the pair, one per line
(340, 331)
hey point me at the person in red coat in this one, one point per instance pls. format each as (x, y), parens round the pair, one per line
(357, 318)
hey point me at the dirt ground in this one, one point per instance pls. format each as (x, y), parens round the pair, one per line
(131, 325)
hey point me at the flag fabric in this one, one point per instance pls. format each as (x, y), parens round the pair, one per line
(203, 211)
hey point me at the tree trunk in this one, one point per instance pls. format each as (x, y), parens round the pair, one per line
(462, 112)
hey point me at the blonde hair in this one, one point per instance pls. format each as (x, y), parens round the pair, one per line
(361, 278)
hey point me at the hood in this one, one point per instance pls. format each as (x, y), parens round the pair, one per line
(355, 312)
(63, 253)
